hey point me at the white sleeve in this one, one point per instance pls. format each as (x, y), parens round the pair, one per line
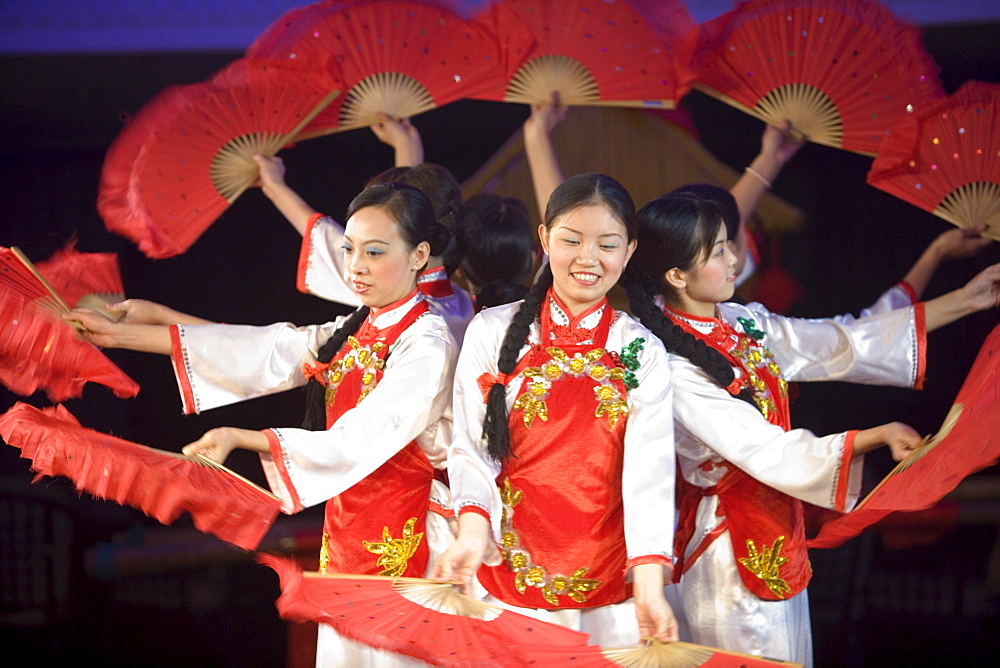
(471, 472)
(648, 467)
(321, 269)
(883, 349)
(796, 462)
(412, 396)
(218, 365)
(895, 297)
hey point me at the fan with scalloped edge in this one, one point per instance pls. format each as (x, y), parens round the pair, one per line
(160, 483)
(421, 618)
(946, 158)
(592, 52)
(188, 154)
(398, 57)
(39, 350)
(842, 71)
(91, 280)
(652, 654)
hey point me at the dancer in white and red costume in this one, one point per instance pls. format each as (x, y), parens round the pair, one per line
(379, 418)
(563, 449)
(741, 546)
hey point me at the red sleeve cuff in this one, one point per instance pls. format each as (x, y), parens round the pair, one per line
(304, 251)
(666, 562)
(474, 509)
(278, 457)
(910, 292)
(181, 370)
(921, 327)
(844, 474)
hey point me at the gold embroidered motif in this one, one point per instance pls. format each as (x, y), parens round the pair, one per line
(396, 552)
(362, 357)
(532, 402)
(528, 574)
(610, 403)
(756, 360)
(765, 565)
(324, 553)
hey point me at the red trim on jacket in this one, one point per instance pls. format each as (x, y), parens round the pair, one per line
(910, 292)
(304, 252)
(278, 456)
(921, 326)
(843, 476)
(180, 370)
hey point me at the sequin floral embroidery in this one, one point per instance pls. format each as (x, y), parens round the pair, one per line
(528, 574)
(610, 402)
(765, 565)
(758, 360)
(365, 358)
(395, 553)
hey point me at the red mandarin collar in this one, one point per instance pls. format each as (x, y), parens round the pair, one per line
(714, 331)
(574, 332)
(389, 315)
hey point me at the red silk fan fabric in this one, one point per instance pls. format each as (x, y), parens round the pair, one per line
(372, 611)
(949, 145)
(73, 274)
(871, 65)
(593, 656)
(160, 484)
(156, 184)
(972, 444)
(634, 61)
(450, 57)
(38, 350)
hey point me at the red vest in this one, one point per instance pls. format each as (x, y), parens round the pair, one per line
(376, 527)
(563, 524)
(765, 526)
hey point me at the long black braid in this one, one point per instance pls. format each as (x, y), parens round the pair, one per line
(496, 430)
(315, 418)
(573, 193)
(641, 298)
(414, 215)
(675, 231)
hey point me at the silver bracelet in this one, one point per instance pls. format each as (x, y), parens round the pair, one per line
(751, 170)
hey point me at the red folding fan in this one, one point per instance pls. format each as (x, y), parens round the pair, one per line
(90, 280)
(968, 441)
(159, 483)
(398, 57)
(39, 350)
(654, 654)
(946, 158)
(188, 154)
(592, 52)
(842, 71)
(416, 617)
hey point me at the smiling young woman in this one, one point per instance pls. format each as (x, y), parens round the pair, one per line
(563, 451)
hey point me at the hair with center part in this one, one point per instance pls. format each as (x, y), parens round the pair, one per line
(676, 230)
(442, 189)
(575, 192)
(499, 248)
(414, 216)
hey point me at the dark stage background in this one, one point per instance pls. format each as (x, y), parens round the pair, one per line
(139, 594)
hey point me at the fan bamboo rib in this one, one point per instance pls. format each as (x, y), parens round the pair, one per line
(946, 158)
(819, 64)
(398, 57)
(589, 51)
